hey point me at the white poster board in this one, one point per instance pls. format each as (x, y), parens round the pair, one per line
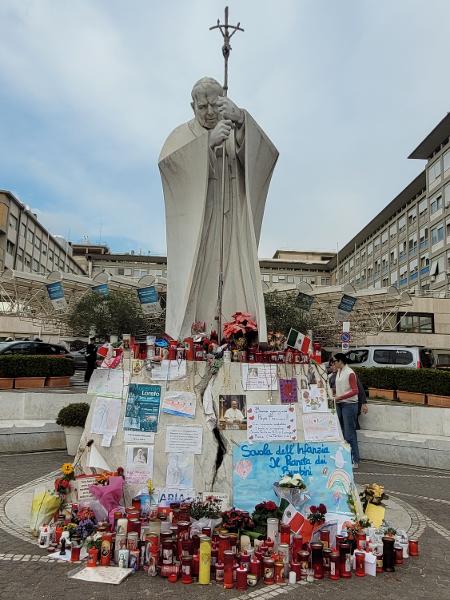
(270, 423)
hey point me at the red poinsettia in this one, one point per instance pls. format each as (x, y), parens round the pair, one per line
(242, 323)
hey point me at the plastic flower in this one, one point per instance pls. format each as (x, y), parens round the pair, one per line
(313, 509)
(270, 505)
(67, 468)
(322, 508)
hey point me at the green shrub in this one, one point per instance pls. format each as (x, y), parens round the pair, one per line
(423, 381)
(23, 365)
(60, 367)
(73, 415)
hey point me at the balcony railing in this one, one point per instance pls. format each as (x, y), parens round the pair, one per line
(403, 281)
(425, 270)
(413, 276)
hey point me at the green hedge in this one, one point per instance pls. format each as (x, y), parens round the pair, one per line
(425, 381)
(17, 365)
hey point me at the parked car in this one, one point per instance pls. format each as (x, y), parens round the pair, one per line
(32, 347)
(405, 357)
(79, 359)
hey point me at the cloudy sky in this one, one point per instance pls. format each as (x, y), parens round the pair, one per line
(89, 90)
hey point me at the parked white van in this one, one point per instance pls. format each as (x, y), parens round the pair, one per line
(404, 357)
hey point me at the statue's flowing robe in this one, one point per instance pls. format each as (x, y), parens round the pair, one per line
(191, 176)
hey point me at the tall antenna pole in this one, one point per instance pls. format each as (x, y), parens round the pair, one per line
(227, 32)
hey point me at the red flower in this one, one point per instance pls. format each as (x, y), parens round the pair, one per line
(313, 509)
(270, 505)
(322, 508)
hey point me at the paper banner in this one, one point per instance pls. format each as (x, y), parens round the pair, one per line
(271, 423)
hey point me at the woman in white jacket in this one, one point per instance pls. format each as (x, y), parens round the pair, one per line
(347, 404)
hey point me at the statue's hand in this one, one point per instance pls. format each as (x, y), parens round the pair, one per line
(228, 110)
(220, 133)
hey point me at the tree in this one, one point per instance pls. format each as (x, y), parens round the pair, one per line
(119, 312)
(283, 312)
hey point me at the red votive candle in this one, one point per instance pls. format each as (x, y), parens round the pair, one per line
(228, 569)
(285, 534)
(241, 578)
(334, 565)
(269, 570)
(398, 555)
(360, 563)
(186, 569)
(317, 559)
(325, 537)
(413, 547)
(297, 545)
(345, 560)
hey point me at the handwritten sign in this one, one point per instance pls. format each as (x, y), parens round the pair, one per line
(326, 469)
(259, 377)
(270, 423)
(321, 427)
(83, 483)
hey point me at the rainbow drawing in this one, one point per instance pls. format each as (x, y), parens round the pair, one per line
(339, 480)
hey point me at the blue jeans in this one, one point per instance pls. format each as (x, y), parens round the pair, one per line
(348, 418)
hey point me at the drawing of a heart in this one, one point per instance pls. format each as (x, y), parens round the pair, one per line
(249, 410)
(251, 417)
(243, 468)
(291, 409)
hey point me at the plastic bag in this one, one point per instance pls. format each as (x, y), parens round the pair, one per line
(197, 526)
(43, 506)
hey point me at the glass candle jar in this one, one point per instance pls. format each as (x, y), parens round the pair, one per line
(413, 547)
(361, 541)
(326, 561)
(388, 554)
(228, 569)
(295, 568)
(345, 563)
(219, 572)
(224, 544)
(204, 574)
(334, 565)
(285, 534)
(360, 563)
(297, 545)
(241, 578)
(186, 569)
(398, 555)
(268, 570)
(106, 548)
(303, 559)
(379, 562)
(75, 553)
(317, 559)
(279, 571)
(255, 567)
(324, 536)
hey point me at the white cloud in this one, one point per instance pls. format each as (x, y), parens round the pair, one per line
(91, 89)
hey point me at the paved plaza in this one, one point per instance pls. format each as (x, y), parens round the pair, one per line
(423, 494)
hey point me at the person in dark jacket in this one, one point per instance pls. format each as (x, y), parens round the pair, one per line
(91, 359)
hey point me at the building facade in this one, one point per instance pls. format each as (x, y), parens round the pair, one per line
(25, 245)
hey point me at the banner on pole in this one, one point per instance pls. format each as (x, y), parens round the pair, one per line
(55, 293)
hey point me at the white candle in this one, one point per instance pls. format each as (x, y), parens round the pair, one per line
(292, 577)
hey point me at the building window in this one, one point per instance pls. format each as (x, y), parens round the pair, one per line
(275, 278)
(35, 265)
(435, 203)
(423, 206)
(290, 279)
(437, 266)
(412, 244)
(384, 236)
(44, 248)
(412, 216)
(120, 271)
(28, 260)
(266, 278)
(369, 249)
(423, 237)
(437, 234)
(415, 323)
(37, 243)
(434, 173)
(446, 160)
(128, 272)
(30, 235)
(401, 224)
(393, 230)
(23, 230)
(13, 222)
(424, 261)
(9, 247)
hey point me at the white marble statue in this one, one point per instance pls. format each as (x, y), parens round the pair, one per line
(191, 172)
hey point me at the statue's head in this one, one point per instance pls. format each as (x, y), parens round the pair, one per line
(204, 95)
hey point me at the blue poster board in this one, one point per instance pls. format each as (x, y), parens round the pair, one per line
(142, 408)
(55, 290)
(102, 289)
(326, 469)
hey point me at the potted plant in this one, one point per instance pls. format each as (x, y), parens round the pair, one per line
(72, 418)
(7, 372)
(60, 371)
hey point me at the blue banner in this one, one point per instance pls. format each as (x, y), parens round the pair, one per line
(149, 299)
(326, 469)
(55, 290)
(102, 289)
(142, 409)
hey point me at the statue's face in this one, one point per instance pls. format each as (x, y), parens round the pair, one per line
(204, 105)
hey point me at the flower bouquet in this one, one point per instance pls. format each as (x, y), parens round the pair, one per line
(235, 520)
(205, 513)
(314, 521)
(263, 511)
(291, 488)
(241, 331)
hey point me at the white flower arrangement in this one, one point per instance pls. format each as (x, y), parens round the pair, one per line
(292, 481)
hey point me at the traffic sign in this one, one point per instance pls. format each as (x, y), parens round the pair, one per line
(345, 336)
(345, 346)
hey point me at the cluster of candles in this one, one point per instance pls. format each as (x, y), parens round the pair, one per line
(168, 547)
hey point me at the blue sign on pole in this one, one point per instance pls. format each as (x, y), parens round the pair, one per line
(149, 299)
(102, 289)
(55, 290)
(347, 303)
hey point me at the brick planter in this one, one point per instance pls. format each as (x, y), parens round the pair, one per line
(411, 397)
(442, 401)
(58, 382)
(6, 383)
(25, 383)
(379, 393)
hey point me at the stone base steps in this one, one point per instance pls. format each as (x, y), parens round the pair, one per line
(31, 436)
(423, 450)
